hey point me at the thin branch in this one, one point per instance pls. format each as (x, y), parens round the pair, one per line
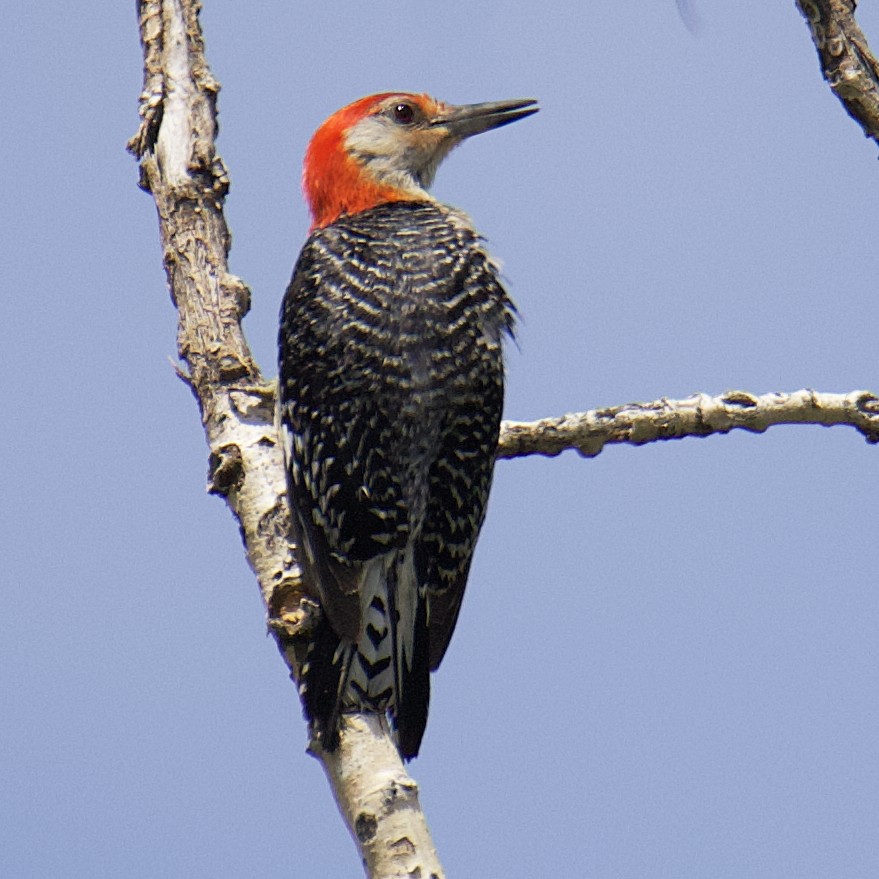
(179, 165)
(847, 63)
(699, 415)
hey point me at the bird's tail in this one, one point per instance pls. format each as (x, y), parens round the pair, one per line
(385, 670)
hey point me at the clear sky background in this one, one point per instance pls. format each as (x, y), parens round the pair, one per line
(666, 664)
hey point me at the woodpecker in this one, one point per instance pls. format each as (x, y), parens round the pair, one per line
(390, 397)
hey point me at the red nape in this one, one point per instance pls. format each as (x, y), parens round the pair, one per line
(335, 184)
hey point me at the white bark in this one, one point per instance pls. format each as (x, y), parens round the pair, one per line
(379, 802)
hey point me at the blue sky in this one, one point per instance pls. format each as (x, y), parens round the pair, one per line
(665, 665)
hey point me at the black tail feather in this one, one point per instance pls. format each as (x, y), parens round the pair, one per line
(410, 715)
(325, 685)
(323, 682)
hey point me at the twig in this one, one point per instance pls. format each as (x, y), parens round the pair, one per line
(699, 415)
(847, 63)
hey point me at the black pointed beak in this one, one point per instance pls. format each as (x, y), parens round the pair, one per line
(469, 119)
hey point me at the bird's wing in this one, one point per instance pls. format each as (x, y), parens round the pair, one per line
(344, 508)
(460, 478)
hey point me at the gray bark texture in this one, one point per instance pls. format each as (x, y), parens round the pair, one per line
(847, 63)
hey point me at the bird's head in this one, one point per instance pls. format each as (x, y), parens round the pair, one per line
(387, 147)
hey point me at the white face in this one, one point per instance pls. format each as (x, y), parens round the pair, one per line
(399, 145)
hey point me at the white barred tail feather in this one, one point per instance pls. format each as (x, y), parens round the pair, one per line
(383, 669)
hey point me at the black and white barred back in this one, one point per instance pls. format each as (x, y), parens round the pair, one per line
(390, 398)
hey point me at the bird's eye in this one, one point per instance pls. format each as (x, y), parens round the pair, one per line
(404, 114)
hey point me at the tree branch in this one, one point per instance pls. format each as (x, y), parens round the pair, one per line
(699, 415)
(179, 165)
(847, 63)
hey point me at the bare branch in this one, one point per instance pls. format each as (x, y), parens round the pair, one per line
(699, 415)
(179, 165)
(847, 63)
(379, 802)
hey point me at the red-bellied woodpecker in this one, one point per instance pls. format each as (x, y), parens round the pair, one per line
(390, 397)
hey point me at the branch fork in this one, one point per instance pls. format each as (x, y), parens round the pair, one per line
(179, 166)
